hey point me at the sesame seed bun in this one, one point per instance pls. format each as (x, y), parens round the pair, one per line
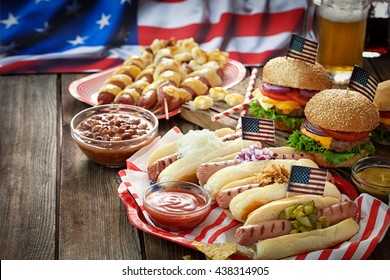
(295, 73)
(342, 110)
(382, 96)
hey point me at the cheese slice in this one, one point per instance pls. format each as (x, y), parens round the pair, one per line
(324, 140)
(285, 106)
(384, 121)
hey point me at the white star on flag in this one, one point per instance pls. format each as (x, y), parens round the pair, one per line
(11, 20)
(103, 21)
(44, 28)
(78, 41)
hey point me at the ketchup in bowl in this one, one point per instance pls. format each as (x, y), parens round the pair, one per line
(176, 205)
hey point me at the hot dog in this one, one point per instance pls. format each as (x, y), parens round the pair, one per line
(231, 176)
(252, 153)
(194, 148)
(297, 225)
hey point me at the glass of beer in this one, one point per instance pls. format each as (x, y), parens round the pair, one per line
(378, 29)
(339, 27)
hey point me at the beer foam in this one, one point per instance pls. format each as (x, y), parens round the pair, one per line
(342, 15)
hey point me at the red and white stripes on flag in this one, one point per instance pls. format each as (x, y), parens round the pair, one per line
(363, 82)
(307, 180)
(303, 49)
(258, 129)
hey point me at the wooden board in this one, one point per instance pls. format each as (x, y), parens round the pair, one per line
(203, 118)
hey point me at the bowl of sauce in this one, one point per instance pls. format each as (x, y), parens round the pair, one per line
(176, 205)
(372, 175)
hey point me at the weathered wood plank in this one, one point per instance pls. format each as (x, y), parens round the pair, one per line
(28, 167)
(93, 221)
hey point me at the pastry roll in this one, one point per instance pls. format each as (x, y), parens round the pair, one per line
(107, 93)
(129, 70)
(128, 96)
(168, 64)
(120, 80)
(194, 86)
(146, 74)
(135, 60)
(208, 75)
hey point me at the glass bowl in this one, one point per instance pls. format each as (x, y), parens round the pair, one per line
(176, 205)
(372, 175)
(110, 134)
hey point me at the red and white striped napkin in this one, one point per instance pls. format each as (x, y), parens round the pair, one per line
(217, 227)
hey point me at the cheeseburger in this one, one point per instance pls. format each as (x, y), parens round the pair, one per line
(288, 84)
(382, 100)
(337, 127)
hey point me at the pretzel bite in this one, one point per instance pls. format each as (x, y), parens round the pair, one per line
(199, 55)
(233, 99)
(218, 93)
(203, 102)
(219, 56)
(186, 45)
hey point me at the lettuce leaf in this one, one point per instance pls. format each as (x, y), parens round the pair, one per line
(302, 143)
(260, 112)
(381, 136)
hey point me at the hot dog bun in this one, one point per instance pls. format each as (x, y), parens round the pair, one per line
(270, 211)
(299, 243)
(226, 176)
(193, 149)
(247, 201)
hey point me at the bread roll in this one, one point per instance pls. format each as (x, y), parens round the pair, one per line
(299, 243)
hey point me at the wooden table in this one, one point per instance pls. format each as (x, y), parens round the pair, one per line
(55, 203)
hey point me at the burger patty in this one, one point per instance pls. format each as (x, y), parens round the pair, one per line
(340, 146)
(383, 127)
(294, 113)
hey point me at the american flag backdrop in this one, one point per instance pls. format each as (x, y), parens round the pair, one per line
(87, 36)
(307, 180)
(363, 82)
(256, 129)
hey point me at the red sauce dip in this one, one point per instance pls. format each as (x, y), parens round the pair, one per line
(176, 208)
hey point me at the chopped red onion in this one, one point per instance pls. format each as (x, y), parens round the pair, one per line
(274, 88)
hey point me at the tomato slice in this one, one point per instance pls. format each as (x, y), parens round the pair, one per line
(297, 97)
(280, 96)
(346, 136)
(384, 114)
(292, 95)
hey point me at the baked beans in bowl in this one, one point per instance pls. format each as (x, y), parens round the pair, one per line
(110, 134)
